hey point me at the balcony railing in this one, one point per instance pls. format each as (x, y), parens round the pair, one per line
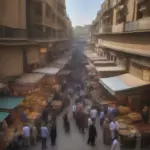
(142, 24)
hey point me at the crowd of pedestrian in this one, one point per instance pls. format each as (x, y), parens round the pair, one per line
(48, 128)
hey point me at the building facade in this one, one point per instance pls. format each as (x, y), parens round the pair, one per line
(29, 33)
(121, 32)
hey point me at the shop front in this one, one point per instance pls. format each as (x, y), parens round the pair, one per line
(26, 83)
(109, 71)
(132, 105)
(10, 118)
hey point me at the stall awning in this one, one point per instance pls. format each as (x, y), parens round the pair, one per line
(29, 78)
(103, 62)
(3, 115)
(109, 69)
(98, 58)
(122, 83)
(9, 103)
(48, 70)
(64, 72)
(91, 54)
(60, 63)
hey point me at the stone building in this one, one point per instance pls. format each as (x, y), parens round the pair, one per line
(120, 31)
(32, 33)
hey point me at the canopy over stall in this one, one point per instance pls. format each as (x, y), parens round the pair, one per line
(30, 78)
(47, 70)
(50, 76)
(104, 63)
(109, 69)
(9, 103)
(98, 59)
(64, 72)
(60, 63)
(123, 83)
(3, 115)
(27, 82)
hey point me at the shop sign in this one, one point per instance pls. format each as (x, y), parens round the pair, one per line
(43, 50)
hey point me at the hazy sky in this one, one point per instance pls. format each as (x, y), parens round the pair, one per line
(82, 11)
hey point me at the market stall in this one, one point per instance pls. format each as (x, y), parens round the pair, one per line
(132, 95)
(109, 71)
(10, 105)
(50, 78)
(26, 83)
(104, 63)
(3, 116)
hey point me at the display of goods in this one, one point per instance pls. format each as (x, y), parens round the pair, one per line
(124, 110)
(122, 126)
(135, 116)
(27, 111)
(124, 132)
(34, 100)
(33, 115)
(57, 87)
(57, 103)
(106, 102)
(124, 119)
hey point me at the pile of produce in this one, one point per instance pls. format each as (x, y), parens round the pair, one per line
(135, 116)
(124, 110)
(33, 115)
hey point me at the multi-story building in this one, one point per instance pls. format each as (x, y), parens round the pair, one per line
(30, 32)
(121, 31)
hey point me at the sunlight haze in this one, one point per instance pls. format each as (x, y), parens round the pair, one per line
(82, 12)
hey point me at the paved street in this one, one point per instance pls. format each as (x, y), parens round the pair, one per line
(74, 140)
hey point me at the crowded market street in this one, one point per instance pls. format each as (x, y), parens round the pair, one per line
(73, 140)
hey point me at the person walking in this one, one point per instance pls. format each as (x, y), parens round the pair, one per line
(74, 110)
(106, 132)
(44, 135)
(15, 140)
(81, 122)
(112, 127)
(93, 114)
(115, 144)
(45, 115)
(89, 121)
(102, 118)
(26, 133)
(53, 133)
(34, 134)
(92, 135)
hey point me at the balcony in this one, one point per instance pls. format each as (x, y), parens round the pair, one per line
(119, 28)
(139, 25)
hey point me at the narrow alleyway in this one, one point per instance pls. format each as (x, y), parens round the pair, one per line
(73, 140)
